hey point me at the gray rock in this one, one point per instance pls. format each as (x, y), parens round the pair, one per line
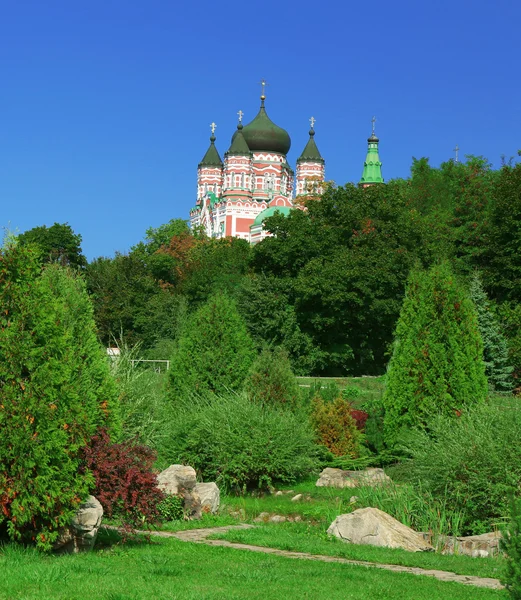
(373, 527)
(209, 495)
(279, 493)
(81, 535)
(338, 478)
(176, 478)
(277, 519)
(263, 517)
(353, 500)
(297, 498)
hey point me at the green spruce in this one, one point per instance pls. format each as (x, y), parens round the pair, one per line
(271, 380)
(214, 352)
(437, 363)
(495, 348)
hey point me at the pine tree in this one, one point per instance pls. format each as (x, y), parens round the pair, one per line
(214, 352)
(55, 391)
(271, 380)
(511, 545)
(437, 363)
(495, 348)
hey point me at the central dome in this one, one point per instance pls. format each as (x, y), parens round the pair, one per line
(262, 135)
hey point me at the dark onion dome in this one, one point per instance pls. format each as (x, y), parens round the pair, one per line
(239, 147)
(262, 135)
(310, 152)
(211, 158)
(373, 139)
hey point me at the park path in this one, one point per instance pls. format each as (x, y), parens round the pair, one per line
(200, 536)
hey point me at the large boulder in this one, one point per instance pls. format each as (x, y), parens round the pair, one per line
(209, 495)
(176, 478)
(373, 527)
(338, 478)
(181, 480)
(81, 535)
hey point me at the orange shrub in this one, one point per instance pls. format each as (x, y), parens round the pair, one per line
(334, 426)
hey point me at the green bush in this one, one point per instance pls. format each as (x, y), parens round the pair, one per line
(145, 409)
(271, 380)
(55, 391)
(437, 362)
(214, 352)
(171, 508)
(474, 462)
(241, 444)
(334, 426)
(511, 545)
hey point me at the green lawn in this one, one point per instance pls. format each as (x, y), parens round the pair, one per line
(171, 569)
(303, 537)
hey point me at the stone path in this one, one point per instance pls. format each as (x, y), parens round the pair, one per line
(200, 536)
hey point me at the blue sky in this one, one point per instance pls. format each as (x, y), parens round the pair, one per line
(105, 106)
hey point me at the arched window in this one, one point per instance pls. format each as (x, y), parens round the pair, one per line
(242, 181)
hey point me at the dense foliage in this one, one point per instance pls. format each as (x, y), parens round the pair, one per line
(241, 444)
(55, 391)
(437, 363)
(495, 350)
(57, 243)
(473, 461)
(214, 352)
(124, 480)
(511, 545)
(334, 426)
(271, 380)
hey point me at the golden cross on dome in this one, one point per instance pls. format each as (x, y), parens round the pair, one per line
(241, 115)
(212, 127)
(263, 83)
(312, 121)
(373, 121)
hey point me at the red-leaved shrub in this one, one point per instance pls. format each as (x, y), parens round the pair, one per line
(360, 417)
(126, 485)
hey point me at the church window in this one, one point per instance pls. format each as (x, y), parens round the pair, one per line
(242, 180)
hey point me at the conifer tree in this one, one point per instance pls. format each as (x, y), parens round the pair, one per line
(437, 362)
(214, 352)
(271, 380)
(495, 348)
(55, 391)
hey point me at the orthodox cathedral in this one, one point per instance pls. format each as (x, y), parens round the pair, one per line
(255, 180)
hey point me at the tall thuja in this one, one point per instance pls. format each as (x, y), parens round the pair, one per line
(55, 391)
(214, 352)
(437, 362)
(495, 348)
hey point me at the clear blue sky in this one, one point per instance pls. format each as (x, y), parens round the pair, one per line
(105, 105)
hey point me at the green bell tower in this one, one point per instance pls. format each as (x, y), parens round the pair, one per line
(372, 166)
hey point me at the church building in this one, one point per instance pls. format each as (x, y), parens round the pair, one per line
(255, 180)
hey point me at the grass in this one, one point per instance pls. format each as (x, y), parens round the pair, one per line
(371, 388)
(322, 505)
(303, 537)
(171, 569)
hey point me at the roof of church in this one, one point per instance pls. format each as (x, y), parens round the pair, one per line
(310, 152)
(263, 135)
(239, 147)
(269, 212)
(372, 166)
(211, 158)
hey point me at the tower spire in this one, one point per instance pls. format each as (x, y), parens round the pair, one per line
(211, 158)
(372, 166)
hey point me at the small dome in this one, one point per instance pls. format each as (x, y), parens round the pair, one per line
(269, 212)
(262, 135)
